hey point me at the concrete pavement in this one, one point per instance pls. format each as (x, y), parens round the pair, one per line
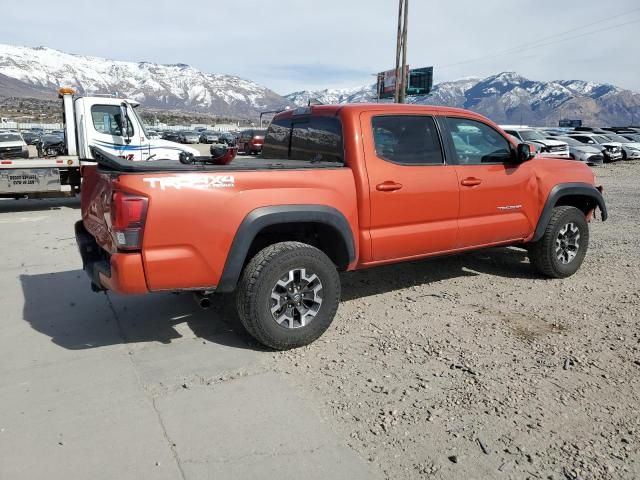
(103, 387)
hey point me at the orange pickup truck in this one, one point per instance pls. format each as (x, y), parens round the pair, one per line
(337, 188)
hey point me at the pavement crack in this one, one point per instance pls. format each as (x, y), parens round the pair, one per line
(141, 384)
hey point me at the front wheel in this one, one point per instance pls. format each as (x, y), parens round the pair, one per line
(288, 295)
(562, 248)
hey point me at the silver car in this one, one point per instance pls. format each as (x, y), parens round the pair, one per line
(589, 154)
(187, 136)
(209, 137)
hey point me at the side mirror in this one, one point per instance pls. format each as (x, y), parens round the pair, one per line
(524, 152)
(124, 130)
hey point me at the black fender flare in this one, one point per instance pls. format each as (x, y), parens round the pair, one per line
(564, 190)
(263, 217)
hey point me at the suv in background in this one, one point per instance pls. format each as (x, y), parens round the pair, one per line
(12, 145)
(251, 141)
(544, 145)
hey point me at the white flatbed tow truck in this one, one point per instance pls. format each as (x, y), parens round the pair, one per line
(109, 123)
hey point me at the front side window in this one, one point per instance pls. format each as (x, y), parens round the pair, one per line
(106, 120)
(407, 139)
(476, 143)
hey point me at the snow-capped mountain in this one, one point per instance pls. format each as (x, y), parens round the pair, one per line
(511, 98)
(42, 70)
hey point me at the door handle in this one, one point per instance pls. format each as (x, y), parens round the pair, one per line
(471, 182)
(388, 186)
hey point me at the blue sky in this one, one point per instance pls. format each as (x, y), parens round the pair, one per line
(290, 45)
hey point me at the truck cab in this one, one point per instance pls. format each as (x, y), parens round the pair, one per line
(114, 125)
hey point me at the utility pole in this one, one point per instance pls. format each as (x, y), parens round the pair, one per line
(401, 51)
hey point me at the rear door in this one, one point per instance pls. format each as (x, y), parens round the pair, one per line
(498, 198)
(414, 193)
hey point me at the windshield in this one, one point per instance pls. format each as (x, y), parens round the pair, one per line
(618, 138)
(140, 122)
(10, 137)
(259, 133)
(569, 140)
(531, 135)
(601, 139)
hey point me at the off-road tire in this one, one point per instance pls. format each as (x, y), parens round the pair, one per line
(253, 296)
(542, 253)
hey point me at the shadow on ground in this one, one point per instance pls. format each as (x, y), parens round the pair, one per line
(62, 306)
(8, 205)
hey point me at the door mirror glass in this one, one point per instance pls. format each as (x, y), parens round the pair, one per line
(524, 152)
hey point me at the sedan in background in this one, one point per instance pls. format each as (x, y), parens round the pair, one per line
(30, 137)
(545, 146)
(589, 154)
(207, 136)
(613, 150)
(171, 136)
(188, 136)
(630, 148)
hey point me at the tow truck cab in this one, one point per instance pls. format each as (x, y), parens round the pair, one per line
(114, 125)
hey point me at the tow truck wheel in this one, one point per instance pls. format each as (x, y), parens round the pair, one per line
(288, 295)
(562, 248)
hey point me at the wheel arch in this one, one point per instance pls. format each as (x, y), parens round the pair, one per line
(267, 225)
(583, 196)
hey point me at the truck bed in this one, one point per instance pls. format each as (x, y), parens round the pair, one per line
(107, 161)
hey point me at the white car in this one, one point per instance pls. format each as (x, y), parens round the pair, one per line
(545, 146)
(12, 145)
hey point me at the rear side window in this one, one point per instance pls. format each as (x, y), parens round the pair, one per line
(277, 139)
(407, 139)
(314, 139)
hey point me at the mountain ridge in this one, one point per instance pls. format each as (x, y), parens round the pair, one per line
(508, 97)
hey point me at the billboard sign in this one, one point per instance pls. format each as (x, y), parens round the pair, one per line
(420, 82)
(566, 123)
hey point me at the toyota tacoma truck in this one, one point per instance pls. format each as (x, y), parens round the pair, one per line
(337, 188)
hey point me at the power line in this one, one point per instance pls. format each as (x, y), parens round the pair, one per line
(538, 44)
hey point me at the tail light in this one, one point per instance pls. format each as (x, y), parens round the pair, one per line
(128, 214)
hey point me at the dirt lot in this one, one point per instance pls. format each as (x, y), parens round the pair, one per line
(462, 367)
(474, 367)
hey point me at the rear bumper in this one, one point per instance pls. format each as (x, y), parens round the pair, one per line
(118, 272)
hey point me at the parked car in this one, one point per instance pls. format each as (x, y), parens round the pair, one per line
(208, 136)
(227, 138)
(30, 136)
(153, 135)
(330, 199)
(546, 146)
(171, 136)
(188, 136)
(613, 150)
(250, 141)
(589, 154)
(49, 145)
(12, 145)
(630, 148)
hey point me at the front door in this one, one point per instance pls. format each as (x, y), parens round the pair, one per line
(498, 198)
(105, 133)
(414, 193)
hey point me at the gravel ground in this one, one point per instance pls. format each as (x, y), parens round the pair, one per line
(475, 367)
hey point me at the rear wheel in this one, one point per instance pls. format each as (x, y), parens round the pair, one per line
(288, 295)
(562, 248)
